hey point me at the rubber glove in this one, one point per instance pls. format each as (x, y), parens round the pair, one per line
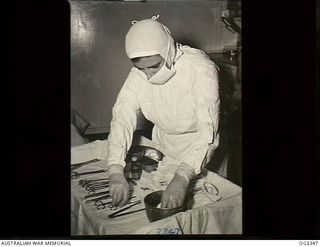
(174, 194)
(118, 186)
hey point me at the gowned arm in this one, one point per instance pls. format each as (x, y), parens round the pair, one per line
(122, 127)
(207, 138)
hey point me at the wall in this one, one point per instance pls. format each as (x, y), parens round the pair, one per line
(99, 64)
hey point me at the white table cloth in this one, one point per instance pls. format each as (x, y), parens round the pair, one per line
(208, 214)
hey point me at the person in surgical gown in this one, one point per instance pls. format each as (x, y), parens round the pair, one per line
(176, 88)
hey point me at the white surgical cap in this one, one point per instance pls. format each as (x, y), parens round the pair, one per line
(149, 37)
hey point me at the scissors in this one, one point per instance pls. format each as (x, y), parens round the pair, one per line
(210, 188)
(92, 191)
(101, 205)
(206, 187)
(75, 175)
(84, 182)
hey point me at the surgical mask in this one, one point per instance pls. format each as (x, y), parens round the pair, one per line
(164, 74)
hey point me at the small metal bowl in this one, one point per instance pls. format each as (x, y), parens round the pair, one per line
(151, 202)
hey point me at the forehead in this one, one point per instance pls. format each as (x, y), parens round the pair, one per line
(149, 61)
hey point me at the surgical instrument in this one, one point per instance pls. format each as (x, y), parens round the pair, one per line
(102, 197)
(206, 187)
(113, 215)
(210, 188)
(194, 190)
(98, 198)
(75, 175)
(131, 212)
(129, 180)
(102, 205)
(97, 194)
(92, 189)
(96, 185)
(84, 182)
(78, 165)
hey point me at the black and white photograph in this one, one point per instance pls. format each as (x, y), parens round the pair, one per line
(190, 120)
(156, 117)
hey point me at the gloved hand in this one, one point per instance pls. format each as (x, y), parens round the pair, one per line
(176, 191)
(119, 189)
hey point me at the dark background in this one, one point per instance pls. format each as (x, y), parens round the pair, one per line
(280, 138)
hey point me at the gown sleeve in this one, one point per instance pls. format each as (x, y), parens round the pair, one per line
(123, 124)
(207, 109)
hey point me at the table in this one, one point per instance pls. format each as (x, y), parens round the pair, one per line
(208, 214)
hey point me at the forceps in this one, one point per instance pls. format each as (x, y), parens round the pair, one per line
(102, 193)
(93, 190)
(96, 185)
(116, 214)
(131, 212)
(75, 175)
(102, 205)
(101, 197)
(98, 198)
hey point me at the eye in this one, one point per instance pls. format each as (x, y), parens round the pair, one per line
(155, 66)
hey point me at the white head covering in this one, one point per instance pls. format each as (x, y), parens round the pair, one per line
(149, 37)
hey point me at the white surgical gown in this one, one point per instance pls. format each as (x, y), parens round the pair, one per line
(184, 110)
